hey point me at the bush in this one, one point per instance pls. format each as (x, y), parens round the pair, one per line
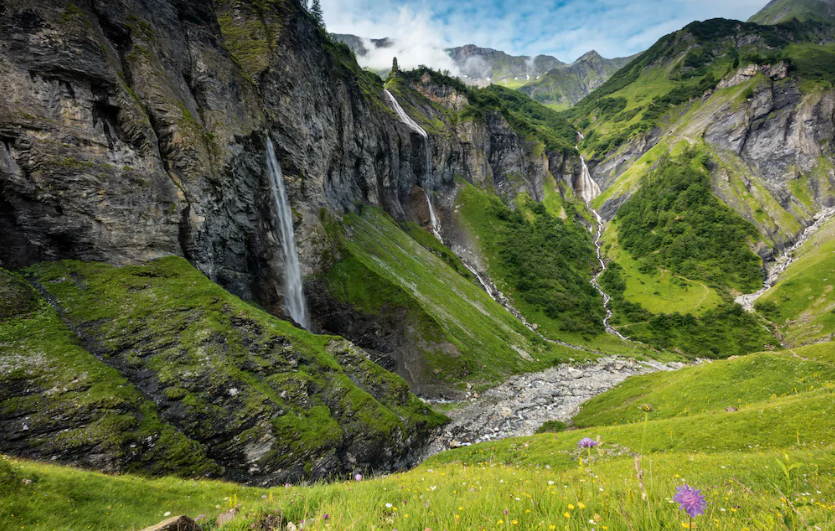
(552, 426)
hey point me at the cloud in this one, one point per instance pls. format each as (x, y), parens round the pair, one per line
(565, 29)
(416, 42)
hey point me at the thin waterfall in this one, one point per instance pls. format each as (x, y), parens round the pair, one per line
(589, 190)
(413, 125)
(433, 219)
(293, 292)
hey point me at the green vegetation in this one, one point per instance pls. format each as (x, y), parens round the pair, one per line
(74, 405)
(216, 368)
(657, 290)
(675, 221)
(527, 117)
(768, 464)
(802, 303)
(546, 262)
(785, 10)
(552, 426)
(459, 332)
(656, 88)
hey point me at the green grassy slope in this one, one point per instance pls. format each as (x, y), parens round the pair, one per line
(779, 11)
(56, 398)
(784, 418)
(677, 257)
(462, 333)
(802, 303)
(217, 369)
(542, 257)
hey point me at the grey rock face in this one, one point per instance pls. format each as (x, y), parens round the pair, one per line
(129, 132)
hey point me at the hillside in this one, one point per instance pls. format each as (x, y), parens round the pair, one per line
(564, 87)
(719, 97)
(754, 434)
(780, 11)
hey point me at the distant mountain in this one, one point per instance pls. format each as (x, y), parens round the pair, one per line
(488, 64)
(566, 86)
(803, 10)
(544, 78)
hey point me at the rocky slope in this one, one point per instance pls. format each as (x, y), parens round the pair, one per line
(155, 369)
(749, 105)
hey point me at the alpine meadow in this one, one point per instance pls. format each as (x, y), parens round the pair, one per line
(320, 265)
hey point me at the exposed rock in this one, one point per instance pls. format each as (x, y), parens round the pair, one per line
(176, 523)
(521, 405)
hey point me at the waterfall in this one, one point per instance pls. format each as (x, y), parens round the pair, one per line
(433, 219)
(589, 190)
(406, 119)
(293, 293)
(786, 259)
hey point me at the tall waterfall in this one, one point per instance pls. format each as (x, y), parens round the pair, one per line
(589, 189)
(413, 125)
(293, 293)
(405, 118)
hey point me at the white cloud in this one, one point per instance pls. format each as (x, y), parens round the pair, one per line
(565, 29)
(416, 42)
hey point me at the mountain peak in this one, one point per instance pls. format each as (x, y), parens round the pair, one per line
(778, 11)
(590, 56)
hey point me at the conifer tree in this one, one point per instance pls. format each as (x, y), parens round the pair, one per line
(394, 67)
(316, 11)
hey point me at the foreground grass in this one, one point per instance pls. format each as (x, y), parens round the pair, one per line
(767, 466)
(743, 491)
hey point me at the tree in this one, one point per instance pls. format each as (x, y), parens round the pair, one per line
(394, 66)
(316, 11)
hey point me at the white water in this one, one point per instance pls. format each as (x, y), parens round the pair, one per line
(786, 259)
(293, 293)
(405, 118)
(433, 219)
(589, 190)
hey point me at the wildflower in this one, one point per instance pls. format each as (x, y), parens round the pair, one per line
(587, 443)
(388, 506)
(691, 500)
(358, 477)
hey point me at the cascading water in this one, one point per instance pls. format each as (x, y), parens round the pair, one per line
(589, 190)
(293, 293)
(406, 119)
(432, 218)
(786, 259)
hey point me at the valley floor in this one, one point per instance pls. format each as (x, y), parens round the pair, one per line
(755, 434)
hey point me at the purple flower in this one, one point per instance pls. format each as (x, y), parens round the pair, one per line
(586, 443)
(358, 477)
(327, 516)
(691, 500)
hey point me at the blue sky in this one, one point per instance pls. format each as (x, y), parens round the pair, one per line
(563, 28)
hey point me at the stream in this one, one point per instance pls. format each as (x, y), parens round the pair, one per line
(786, 259)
